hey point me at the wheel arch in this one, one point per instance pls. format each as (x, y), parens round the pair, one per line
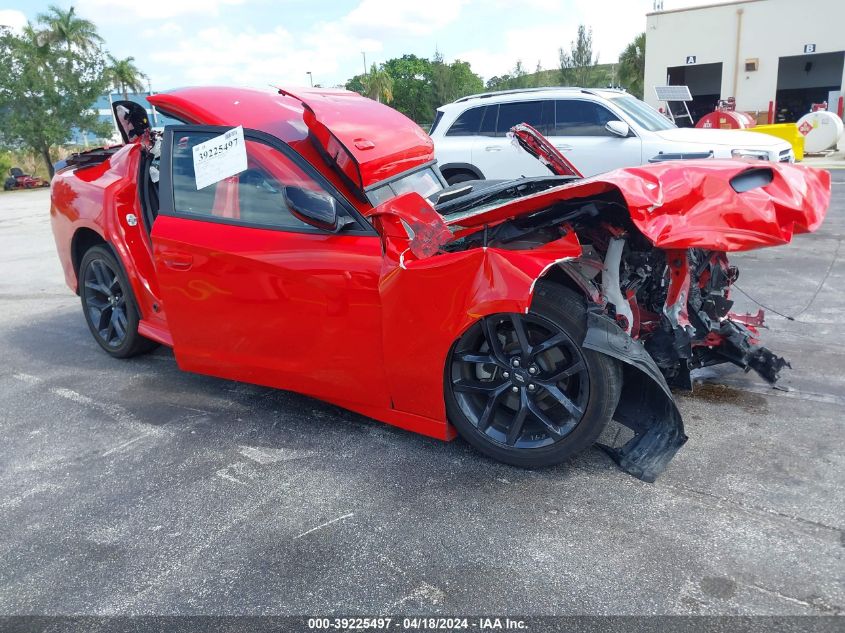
(84, 238)
(450, 169)
(564, 274)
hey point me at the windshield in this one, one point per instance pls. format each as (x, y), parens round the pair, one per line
(643, 114)
(424, 181)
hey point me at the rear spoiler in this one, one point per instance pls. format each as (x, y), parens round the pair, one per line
(86, 159)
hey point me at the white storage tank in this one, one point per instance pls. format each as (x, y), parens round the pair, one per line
(821, 129)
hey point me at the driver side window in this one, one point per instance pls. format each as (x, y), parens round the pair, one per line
(254, 197)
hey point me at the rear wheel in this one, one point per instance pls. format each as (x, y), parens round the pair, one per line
(521, 389)
(109, 306)
(460, 176)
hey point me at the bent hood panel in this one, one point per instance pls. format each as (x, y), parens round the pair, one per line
(692, 204)
(380, 141)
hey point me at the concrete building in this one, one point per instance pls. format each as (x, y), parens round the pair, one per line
(787, 51)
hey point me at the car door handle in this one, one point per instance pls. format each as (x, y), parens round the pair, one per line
(564, 148)
(493, 148)
(177, 261)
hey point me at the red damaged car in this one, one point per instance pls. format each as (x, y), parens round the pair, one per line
(308, 242)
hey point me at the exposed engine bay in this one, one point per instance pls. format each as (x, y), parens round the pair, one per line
(675, 302)
(662, 313)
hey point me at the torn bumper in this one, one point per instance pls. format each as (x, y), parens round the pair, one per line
(646, 407)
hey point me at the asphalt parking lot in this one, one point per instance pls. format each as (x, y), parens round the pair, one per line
(129, 487)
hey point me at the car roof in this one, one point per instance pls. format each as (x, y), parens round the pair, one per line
(504, 96)
(382, 141)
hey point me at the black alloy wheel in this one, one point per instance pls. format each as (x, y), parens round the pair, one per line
(109, 306)
(522, 389)
(106, 303)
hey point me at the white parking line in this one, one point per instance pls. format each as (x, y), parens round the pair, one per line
(322, 525)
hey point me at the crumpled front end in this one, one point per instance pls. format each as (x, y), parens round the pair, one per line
(647, 248)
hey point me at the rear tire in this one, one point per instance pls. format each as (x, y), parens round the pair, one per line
(460, 176)
(562, 395)
(109, 306)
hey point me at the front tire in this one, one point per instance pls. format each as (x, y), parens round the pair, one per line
(109, 306)
(522, 390)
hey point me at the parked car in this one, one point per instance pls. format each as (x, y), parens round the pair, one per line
(598, 130)
(306, 241)
(19, 180)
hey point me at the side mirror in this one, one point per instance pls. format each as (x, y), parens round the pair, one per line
(313, 207)
(618, 128)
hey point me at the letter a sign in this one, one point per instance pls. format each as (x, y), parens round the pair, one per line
(690, 59)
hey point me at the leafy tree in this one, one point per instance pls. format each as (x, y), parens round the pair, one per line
(421, 85)
(356, 84)
(452, 81)
(538, 75)
(66, 29)
(565, 67)
(125, 76)
(6, 163)
(378, 84)
(411, 86)
(578, 66)
(47, 90)
(632, 66)
(499, 83)
(519, 76)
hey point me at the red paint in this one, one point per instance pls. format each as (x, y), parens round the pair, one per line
(751, 320)
(726, 120)
(691, 204)
(538, 146)
(367, 321)
(679, 284)
(771, 118)
(381, 144)
(382, 141)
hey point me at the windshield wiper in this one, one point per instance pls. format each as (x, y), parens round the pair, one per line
(505, 190)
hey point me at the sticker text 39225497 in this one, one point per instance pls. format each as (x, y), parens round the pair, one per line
(219, 157)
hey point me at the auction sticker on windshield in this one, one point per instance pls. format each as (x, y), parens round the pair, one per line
(220, 157)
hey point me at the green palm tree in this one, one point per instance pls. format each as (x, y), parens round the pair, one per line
(632, 66)
(125, 76)
(65, 28)
(378, 84)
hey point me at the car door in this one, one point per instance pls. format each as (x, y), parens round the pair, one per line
(495, 153)
(580, 134)
(253, 294)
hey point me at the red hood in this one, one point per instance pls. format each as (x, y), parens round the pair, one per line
(696, 204)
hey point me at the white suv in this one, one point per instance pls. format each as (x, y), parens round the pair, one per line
(597, 130)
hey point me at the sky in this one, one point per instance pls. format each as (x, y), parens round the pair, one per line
(276, 42)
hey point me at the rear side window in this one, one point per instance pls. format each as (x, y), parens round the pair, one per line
(575, 117)
(530, 112)
(488, 121)
(467, 124)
